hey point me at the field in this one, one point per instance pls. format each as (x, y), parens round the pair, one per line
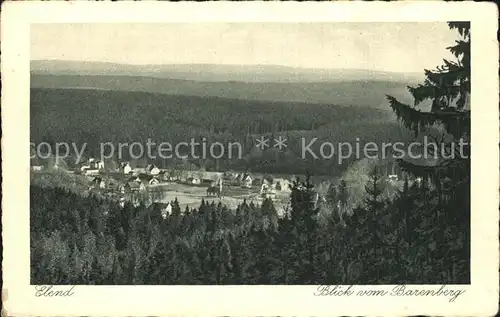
(191, 196)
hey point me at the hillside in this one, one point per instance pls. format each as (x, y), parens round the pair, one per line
(357, 93)
(107, 113)
(60, 179)
(104, 102)
(93, 116)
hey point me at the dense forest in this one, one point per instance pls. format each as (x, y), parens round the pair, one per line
(361, 91)
(413, 239)
(94, 116)
(419, 236)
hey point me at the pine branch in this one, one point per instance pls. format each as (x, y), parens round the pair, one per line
(448, 75)
(463, 27)
(411, 118)
(455, 122)
(461, 49)
(429, 91)
(455, 169)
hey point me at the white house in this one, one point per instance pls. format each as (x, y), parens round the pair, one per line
(193, 180)
(282, 184)
(246, 181)
(164, 176)
(152, 169)
(165, 209)
(102, 184)
(393, 178)
(127, 169)
(91, 171)
(133, 187)
(154, 181)
(93, 164)
(100, 165)
(84, 168)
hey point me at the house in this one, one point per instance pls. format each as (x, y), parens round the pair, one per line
(266, 191)
(35, 164)
(211, 178)
(136, 186)
(84, 168)
(125, 189)
(133, 179)
(392, 178)
(164, 209)
(164, 176)
(90, 171)
(98, 182)
(144, 178)
(229, 177)
(136, 202)
(100, 165)
(152, 169)
(139, 170)
(132, 187)
(193, 180)
(246, 181)
(111, 166)
(125, 167)
(154, 181)
(171, 176)
(282, 184)
(264, 188)
(92, 163)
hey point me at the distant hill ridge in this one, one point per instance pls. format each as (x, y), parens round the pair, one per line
(220, 73)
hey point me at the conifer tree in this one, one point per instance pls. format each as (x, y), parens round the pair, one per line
(331, 195)
(304, 220)
(343, 195)
(448, 89)
(440, 218)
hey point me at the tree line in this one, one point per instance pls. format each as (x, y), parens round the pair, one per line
(410, 239)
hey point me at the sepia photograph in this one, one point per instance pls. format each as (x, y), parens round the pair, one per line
(329, 154)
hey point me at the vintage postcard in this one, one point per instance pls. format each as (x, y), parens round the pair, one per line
(250, 159)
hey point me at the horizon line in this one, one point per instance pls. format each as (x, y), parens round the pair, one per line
(223, 64)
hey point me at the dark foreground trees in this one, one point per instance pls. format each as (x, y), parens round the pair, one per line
(75, 241)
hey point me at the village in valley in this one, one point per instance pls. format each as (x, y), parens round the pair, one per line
(156, 187)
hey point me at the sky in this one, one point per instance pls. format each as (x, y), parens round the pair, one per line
(397, 47)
